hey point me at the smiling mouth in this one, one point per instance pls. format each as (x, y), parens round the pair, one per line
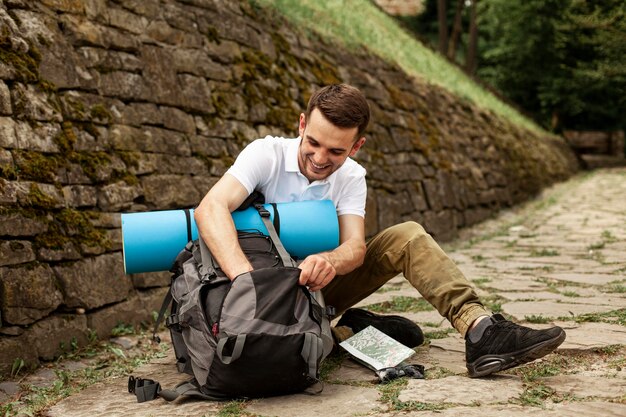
(318, 167)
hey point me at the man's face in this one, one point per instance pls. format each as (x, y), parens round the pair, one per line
(324, 147)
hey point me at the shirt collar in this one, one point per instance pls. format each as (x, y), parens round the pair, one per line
(291, 156)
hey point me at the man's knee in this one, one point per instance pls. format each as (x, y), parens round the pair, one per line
(404, 234)
(408, 231)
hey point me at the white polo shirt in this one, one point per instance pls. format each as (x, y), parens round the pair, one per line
(270, 165)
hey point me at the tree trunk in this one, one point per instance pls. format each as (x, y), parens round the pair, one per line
(443, 26)
(456, 30)
(470, 63)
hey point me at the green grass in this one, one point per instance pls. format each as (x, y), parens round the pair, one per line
(391, 391)
(615, 317)
(536, 394)
(481, 282)
(544, 252)
(233, 409)
(437, 334)
(359, 25)
(537, 319)
(617, 288)
(493, 302)
(401, 305)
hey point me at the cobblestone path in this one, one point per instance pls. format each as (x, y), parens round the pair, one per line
(560, 259)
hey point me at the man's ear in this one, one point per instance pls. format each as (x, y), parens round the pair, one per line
(357, 145)
(302, 124)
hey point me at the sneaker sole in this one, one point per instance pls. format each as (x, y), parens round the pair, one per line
(489, 364)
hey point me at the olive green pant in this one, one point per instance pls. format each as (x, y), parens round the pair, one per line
(406, 248)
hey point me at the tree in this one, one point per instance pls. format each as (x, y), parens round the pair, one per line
(562, 60)
(472, 45)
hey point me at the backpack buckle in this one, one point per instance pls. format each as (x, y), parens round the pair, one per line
(262, 210)
(144, 389)
(173, 321)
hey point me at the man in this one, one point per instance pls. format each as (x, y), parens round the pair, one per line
(317, 165)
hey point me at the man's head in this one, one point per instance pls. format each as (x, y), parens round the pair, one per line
(331, 130)
(342, 105)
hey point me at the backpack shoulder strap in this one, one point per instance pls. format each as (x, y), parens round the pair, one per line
(282, 252)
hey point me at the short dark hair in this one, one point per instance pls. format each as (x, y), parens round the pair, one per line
(343, 105)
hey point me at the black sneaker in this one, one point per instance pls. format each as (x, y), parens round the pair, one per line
(399, 328)
(505, 344)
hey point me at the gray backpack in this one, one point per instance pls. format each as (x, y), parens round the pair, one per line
(260, 335)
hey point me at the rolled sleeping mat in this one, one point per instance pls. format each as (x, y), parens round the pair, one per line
(151, 240)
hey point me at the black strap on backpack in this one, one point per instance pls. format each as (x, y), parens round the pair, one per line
(282, 252)
(149, 389)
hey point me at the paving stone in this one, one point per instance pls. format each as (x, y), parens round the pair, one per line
(352, 371)
(335, 400)
(516, 283)
(593, 279)
(44, 377)
(437, 357)
(453, 343)
(10, 387)
(591, 335)
(614, 300)
(521, 309)
(463, 390)
(587, 386)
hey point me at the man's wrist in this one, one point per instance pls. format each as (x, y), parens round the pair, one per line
(238, 272)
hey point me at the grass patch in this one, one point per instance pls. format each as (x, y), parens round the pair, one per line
(391, 391)
(482, 283)
(616, 288)
(596, 246)
(544, 252)
(608, 237)
(438, 372)
(234, 409)
(571, 294)
(536, 394)
(545, 268)
(613, 317)
(401, 304)
(537, 319)
(493, 302)
(361, 25)
(331, 363)
(437, 334)
(122, 329)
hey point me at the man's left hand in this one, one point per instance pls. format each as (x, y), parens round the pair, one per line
(317, 272)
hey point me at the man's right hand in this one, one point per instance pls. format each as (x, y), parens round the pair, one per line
(317, 271)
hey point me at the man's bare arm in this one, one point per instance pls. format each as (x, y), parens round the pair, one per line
(216, 226)
(318, 270)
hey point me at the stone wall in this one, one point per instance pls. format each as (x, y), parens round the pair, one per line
(598, 149)
(135, 105)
